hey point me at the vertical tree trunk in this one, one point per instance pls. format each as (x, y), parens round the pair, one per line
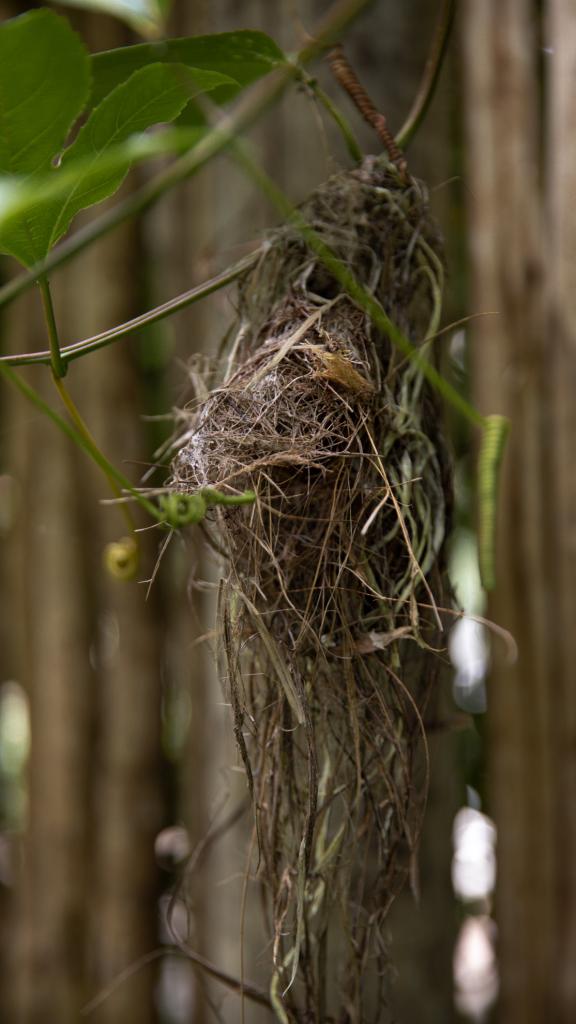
(561, 337)
(126, 764)
(522, 248)
(47, 595)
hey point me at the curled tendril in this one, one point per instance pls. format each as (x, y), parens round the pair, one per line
(494, 437)
(175, 510)
(184, 509)
(121, 558)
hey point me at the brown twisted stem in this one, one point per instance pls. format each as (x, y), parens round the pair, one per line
(348, 80)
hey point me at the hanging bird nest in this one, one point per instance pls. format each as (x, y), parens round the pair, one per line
(329, 611)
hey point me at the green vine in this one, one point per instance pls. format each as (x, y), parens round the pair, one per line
(184, 509)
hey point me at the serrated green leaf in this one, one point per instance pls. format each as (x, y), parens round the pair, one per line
(153, 95)
(19, 197)
(245, 56)
(146, 16)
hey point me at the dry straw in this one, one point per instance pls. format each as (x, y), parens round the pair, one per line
(329, 627)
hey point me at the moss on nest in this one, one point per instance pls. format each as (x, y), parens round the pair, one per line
(329, 610)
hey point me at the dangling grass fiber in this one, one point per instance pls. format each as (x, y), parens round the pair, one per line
(329, 609)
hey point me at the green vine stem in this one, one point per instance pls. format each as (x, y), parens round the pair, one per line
(431, 74)
(350, 140)
(56, 361)
(79, 438)
(93, 447)
(59, 368)
(183, 509)
(82, 348)
(173, 510)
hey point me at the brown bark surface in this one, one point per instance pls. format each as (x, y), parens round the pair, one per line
(126, 811)
(48, 599)
(561, 171)
(522, 241)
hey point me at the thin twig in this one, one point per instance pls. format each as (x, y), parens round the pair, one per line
(257, 995)
(262, 95)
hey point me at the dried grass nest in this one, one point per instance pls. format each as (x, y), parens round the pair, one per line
(334, 577)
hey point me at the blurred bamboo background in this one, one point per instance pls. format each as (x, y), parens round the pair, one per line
(131, 762)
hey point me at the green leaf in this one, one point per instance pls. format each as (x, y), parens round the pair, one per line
(19, 197)
(146, 16)
(155, 94)
(245, 56)
(44, 84)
